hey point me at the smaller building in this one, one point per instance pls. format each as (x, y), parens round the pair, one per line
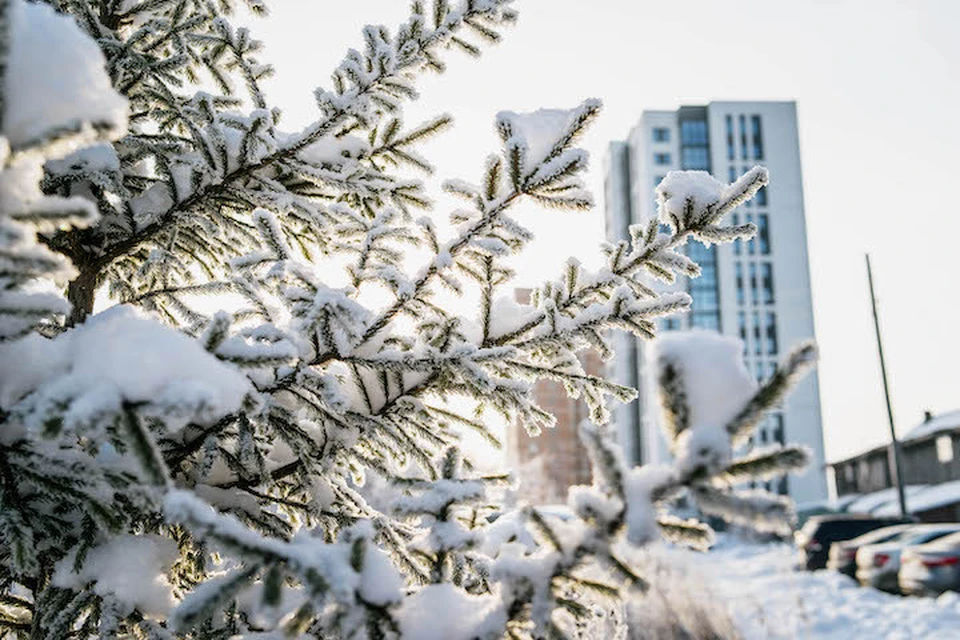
(930, 464)
(549, 464)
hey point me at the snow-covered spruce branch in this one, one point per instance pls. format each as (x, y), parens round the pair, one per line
(366, 86)
(292, 467)
(532, 171)
(694, 206)
(704, 442)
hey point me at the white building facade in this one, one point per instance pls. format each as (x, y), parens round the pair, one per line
(758, 291)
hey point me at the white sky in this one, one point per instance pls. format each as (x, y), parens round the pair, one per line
(876, 82)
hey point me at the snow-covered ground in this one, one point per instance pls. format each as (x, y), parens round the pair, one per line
(769, 599)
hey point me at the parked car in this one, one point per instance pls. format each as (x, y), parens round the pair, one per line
(819, 532)
(843, 554)
(932, 568)
(878, 564)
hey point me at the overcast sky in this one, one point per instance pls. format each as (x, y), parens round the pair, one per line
(876, 84)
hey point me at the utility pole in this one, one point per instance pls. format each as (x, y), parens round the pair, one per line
(894, 451)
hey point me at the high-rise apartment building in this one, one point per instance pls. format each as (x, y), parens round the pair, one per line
(758, 291)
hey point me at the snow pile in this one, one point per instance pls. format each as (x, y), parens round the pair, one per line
(130, 569)
(769, 599)
(118, 356)
(55, 89)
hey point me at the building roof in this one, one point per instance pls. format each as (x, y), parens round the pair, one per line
(949, 421)
(871, 502)
(944, 423)
(932, 497)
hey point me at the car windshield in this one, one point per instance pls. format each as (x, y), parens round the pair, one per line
(952, 540)
(887, 534)
(919, 537)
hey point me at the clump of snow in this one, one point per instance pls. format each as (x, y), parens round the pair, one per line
(445, 612)
(508, 315)
(641, 488)
(540, 130)
(51, 89)
(380, 582)
(706, 446)
(98, 157)
(678, 187)
(26, 363)
(588, 502)
(129, 568)
(715, 379)
(439, 493)
(119, 356)
(334, 150)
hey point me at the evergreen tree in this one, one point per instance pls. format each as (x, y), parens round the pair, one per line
(170, 472)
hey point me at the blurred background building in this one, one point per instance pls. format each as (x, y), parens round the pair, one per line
(550, 463)
(758, 291)
(930, 464)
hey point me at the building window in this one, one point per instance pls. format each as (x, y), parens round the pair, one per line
(661, 158)
(704, 290)
(945, 448)
(695, 158)
(705, 320)
(695, 155)
(761, 196)
(766, 282)
(729, 124)
(763, 233)
(661, 134)
(693, 132)
(778, 433)
(739, 278)
(742, 326)
(754, 297)
(756, 133)
(752, 242)
(671, 324)
(757, 343)
(771, 331)
(743, 136)
(738, 243)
